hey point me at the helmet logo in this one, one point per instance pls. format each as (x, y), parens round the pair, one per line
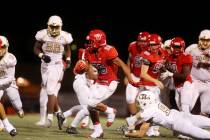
(98, 36)
(144, 97)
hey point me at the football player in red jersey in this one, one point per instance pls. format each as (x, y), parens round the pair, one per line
(105, 59)
(153, 64)
(134, 62)
(178, 67)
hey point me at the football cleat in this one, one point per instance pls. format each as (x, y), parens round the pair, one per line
(13, 132)
(72, 130)
(96, 135)
(48, 123)
(60, 119)
(21, 113)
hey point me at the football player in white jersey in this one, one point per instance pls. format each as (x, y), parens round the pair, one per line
(51, 44)
(7, 76)
(154, 111)
(201, 70)
(8, 85)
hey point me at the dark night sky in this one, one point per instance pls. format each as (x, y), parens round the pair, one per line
(121, 21)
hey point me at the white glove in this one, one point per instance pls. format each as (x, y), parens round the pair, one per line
(166, 74)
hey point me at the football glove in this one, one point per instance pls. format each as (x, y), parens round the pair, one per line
(44, 57)
(166, 74)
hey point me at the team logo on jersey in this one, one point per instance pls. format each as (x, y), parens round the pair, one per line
(53, 47)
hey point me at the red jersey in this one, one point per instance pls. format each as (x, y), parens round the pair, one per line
(102, 61)
(164, 53)
(156, 63)
(175, 65)
(135, 59)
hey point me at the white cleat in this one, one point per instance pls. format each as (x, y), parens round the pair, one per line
(183, 137)
(40, 123)
(21, 113)
(48, 123)
(152, 133)
(96, 135)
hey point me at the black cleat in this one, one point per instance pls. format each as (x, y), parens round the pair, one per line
(72, 130)
(13, 132)
(60, 119)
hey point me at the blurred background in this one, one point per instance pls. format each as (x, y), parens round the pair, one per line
(121, 21)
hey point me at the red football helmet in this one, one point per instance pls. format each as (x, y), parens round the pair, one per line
(96, 38)
(177, 45)
(154, 42)
(142, 40)
(143, 36)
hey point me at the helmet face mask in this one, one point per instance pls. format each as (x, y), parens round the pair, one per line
(3, 50)
(204, 39)
(4, 44)
(54, 25)
(204, 44)
(154, 47)
(177, 46)
(141, 44)
(154, 43)
(54, 30)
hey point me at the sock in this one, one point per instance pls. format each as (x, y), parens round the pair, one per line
(1, 124)
(50, 117)
(109, 110)
(8, 126)
(43, 111)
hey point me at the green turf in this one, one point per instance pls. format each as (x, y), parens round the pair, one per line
(28, 131)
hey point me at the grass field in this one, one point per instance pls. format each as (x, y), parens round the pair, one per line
(28, 131)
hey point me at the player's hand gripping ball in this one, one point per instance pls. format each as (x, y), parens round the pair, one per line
(80, 67)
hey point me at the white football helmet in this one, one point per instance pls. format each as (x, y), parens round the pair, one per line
(145, 99)
(54, 25)
(167, 43)
(4, 44)
(204, 39)
(205, 34)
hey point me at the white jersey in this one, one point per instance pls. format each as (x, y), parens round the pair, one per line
(53, 46)
(7, 70)
(197, 54)
(160, 115)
